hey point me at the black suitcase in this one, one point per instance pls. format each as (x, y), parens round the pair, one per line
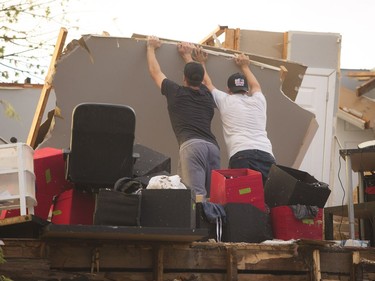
(117, 208)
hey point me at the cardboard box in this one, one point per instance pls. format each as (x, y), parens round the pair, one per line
(286, 226)
(246, 223)
(117, 208)
(74, 207)
(168, 208)
(288, 186)
(237, 186)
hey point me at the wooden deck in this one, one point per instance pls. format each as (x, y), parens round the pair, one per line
(99, 253)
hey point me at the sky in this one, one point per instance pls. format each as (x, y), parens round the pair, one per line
(193, 20)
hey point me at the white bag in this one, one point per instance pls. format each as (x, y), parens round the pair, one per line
(165, 182)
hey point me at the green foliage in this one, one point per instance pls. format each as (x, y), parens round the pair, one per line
(2, 260)
(3, 278)
(9, 111)
(28, 32)
(1, 256)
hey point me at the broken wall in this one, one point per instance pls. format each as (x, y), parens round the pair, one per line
(24, 99)
(358, 110)
(114, 70)
(263, 43)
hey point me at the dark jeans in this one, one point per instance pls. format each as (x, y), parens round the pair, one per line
(253, 159)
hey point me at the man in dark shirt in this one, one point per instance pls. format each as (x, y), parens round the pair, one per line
(191, 109)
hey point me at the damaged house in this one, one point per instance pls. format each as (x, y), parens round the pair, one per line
(311, 106)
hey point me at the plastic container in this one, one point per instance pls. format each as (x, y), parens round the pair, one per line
(17, 178)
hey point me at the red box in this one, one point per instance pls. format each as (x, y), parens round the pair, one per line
(74, 207)
(49, 170)
(237, 186)
(286, 226)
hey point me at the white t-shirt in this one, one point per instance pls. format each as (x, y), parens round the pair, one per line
(244, 119)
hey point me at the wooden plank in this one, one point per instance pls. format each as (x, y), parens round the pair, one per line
(134, 261)
(236, 39)
(232, 274)
(16, 220)
(20, 86)
(46, 89)
(77, 255)
(356, 272)
(352, 119)
(361, 74)
(158, 267)
(210, 39)
(24, 249)
(368, 257)
(95, 265)
(348, 99)
(283, 73)
(336, 262)
(27, 226)
(45, 274)
(25, 269)
(366, 87)
(95, 232)
(230, 35)
(316, 273)
(285, 47)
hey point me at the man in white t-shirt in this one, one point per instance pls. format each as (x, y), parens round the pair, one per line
(243, 112)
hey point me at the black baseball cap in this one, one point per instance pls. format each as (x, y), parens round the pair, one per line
(194, 73)
(237, 83)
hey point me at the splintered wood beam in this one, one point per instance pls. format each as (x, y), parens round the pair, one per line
(283, 73)
(285, 45)
(361, 74)
(356, 259)
(46, 89)
(232, 39)
(317, 275)
(229, 39)
(237, 39)
(366, 87)
(210, 39)
(352, 119)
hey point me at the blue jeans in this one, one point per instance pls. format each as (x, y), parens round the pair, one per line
(197, 159)
(253, 159)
